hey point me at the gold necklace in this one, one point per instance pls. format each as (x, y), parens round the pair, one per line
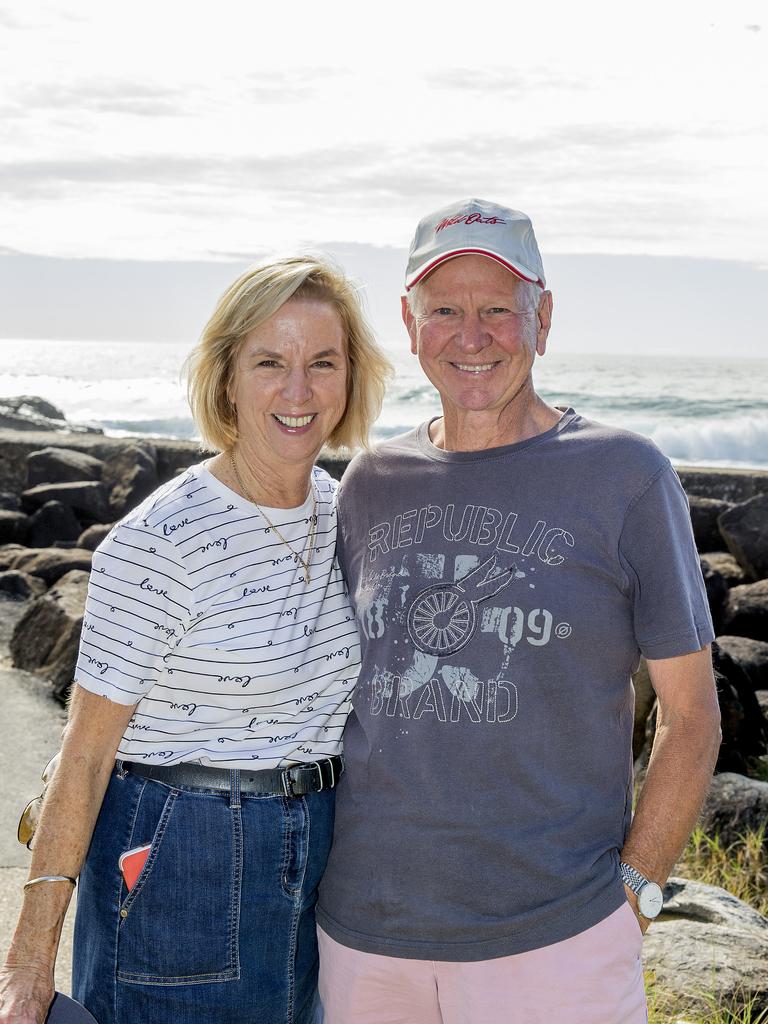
(312, 522)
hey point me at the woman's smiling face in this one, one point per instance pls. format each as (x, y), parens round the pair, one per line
(289, 386)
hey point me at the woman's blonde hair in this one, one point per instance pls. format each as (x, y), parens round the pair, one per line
(250, 301)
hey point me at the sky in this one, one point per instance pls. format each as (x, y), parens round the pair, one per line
(197, 137)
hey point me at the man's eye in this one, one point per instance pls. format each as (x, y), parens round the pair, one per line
(444, 310)
(498, 309)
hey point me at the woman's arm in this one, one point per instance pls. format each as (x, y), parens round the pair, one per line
(72, 803)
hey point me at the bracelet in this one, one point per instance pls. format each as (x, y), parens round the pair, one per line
(49, 878)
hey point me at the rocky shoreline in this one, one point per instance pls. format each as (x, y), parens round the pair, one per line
(61, 489)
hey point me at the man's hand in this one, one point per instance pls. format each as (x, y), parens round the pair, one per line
(644, 922)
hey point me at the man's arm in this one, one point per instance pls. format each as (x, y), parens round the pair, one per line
(683, 757)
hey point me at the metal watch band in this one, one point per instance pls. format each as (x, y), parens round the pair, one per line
(632, 877)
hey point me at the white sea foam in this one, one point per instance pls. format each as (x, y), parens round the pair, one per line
(697, 411)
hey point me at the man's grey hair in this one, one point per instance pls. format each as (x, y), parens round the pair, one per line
(529, 293)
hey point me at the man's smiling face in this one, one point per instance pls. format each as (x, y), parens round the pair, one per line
(476, 332)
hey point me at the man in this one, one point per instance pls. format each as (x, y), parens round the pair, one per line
(508, 563)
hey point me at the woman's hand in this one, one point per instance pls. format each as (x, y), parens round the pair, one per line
(26, 994)
(70, 809)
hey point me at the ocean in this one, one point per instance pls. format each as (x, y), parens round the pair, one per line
(699, 411)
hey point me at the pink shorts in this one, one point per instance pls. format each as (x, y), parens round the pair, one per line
(596, 977)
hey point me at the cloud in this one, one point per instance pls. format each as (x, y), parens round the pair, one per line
(271, 87)
(754, 28)
(10, 20)
(374, 174)
(511, 84)
(102, 96)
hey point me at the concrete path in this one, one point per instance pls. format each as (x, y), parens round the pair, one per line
(30, 733)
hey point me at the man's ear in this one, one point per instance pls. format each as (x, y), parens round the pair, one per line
(545, 322)
(410, 322)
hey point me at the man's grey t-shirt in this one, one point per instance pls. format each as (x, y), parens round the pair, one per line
(503, 599)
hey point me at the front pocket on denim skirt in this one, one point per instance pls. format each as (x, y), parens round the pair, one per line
(179, 923)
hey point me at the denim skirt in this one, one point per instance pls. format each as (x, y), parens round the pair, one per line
(219, 926)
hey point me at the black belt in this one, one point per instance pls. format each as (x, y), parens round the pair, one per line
(298, 780)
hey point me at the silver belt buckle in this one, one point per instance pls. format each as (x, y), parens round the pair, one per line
(287, 784)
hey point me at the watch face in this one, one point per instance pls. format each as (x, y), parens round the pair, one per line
(650, 900)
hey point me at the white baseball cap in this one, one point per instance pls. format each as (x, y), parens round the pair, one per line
(475, 226)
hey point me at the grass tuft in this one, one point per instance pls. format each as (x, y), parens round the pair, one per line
(741, 868)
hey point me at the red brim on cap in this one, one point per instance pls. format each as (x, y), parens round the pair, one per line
(523, 273)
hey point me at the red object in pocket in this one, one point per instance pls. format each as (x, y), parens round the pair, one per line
(131, 863)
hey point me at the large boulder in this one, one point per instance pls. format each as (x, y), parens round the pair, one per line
(745, 612)
(751, 655)
(86, 498)
(9, 501)
(30, 413)
(14, 527)
(727, 566)
(8, 553)
(20, 586)
(130, 475)
(34, 405)
(704, 515)
(53, 522)
(94, 535)
(734, 805)
(50, 564)
(744, 728)
(745, 530)
(46, 637)
(644, 701)
(61, 466)
(707, 946)
(714, 584)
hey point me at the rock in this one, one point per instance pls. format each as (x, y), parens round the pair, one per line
(745, 612)
(93, 536)
(46, 638)
(751, 655)
(704, 515)
(8, 552)
(130, 476)
(53, 522)
(761, 696)
(744, 728)
(14, 527)
(745, 530)
(9, 502)
(644, 701)
(734, 805)
(727, 566)
(27, 412)
(86, 498)
(714, 584)
(34, 405)
(50, 564)
(707, 946)
(61, 466)
(732, 485)
(20, 586)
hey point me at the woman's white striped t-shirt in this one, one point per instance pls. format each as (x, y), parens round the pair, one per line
(198, 611)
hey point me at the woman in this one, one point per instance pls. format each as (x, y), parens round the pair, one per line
(212, 686)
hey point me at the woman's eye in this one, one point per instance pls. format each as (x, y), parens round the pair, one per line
(324, 364)
(267, 362)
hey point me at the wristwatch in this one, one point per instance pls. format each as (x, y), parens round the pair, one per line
(649, 895)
